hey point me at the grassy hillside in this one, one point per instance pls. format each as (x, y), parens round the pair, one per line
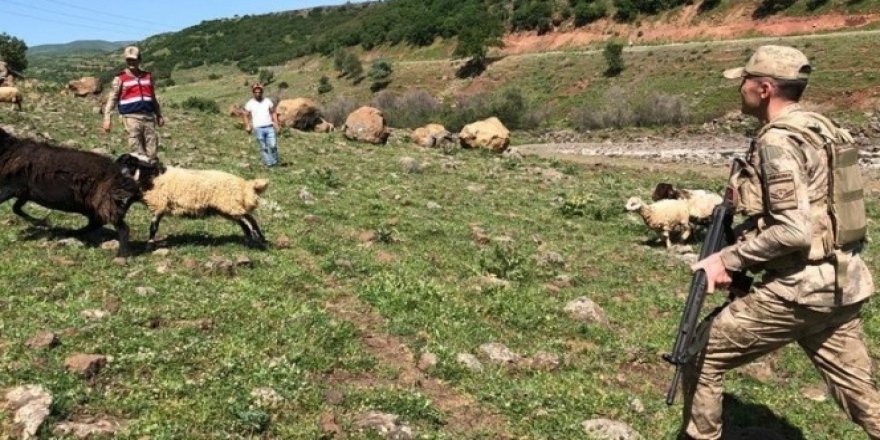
(372, 267)
(81, 46)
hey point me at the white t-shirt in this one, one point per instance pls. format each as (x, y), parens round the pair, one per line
(261, 111)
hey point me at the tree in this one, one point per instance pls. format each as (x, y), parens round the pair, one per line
(379, 73)
(13, 51)
(353, 67)
(614, 57)
(324, 85)
(477, 31)
(265, 76)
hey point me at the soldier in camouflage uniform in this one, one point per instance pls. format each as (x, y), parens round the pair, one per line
(812, 290)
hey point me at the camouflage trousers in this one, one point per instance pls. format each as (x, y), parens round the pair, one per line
(142, 136)
(759, 323)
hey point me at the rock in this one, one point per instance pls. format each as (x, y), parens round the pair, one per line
(85, 365)
(43, 340)
(489, 133)
(190, 263)
(543, 360)
(512, 154)
(329, 427)
(499, 353)
(85, 86)
(469, 361)
(430, 136)
(324, 127)
(299, 113)
(586, 311)
(433, 205)
(162, 252)
(306, 196)
(312, 219)
(759, 371)
(551, 259)
(605, 429)
(636, 405)
(94, 314)
(490, 282)
(266, 397)
(282, 242)
(110, 245)
(816, 393)
(144, 291)
(69, 242)
(85, 430)
(31, 405)
(386, 425)
(366, 124)
(409, 165)
(243, 261)
(427, 361)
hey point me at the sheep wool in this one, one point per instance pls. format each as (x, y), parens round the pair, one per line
(184, 192)
(11, 95)
(663, 216)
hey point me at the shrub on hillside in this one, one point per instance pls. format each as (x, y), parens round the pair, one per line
(662, 109)
(324, 85)
(585, 13)
(338, 110)
(201, 104)
(614, 58)
(614, 110)
(414, 108)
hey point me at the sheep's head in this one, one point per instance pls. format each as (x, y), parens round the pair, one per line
(141, 169)
(664, 191)
(634, 204)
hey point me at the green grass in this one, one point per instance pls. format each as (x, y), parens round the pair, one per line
(272, 326)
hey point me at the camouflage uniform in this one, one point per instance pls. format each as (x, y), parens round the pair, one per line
(782, 188)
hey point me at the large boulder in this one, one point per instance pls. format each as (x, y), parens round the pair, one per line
(488, 133)
(429, 136)
(85, 86)
(300, 113)
(366, 124)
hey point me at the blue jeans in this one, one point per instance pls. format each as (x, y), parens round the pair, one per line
(268, 148)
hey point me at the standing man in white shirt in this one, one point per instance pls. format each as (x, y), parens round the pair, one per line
(262, 119)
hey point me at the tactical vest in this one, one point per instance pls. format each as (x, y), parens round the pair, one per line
(845, 196)
(136, 93)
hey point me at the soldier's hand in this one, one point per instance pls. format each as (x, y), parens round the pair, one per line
(716, 273)
(106, 126)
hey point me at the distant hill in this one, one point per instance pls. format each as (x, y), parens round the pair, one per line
(76, 47)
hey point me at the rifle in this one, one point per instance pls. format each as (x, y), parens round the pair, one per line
(720, 234)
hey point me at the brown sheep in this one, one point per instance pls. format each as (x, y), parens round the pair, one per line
(66, 180)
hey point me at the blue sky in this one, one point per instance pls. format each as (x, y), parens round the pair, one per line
(61, 21)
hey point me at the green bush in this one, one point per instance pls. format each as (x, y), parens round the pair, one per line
(614, 58)
(324, 85)
(201, 104)
(585, 13)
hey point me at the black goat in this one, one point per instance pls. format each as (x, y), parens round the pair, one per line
(66, 180)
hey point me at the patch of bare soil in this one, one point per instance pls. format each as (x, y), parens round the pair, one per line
(465, 417)
(686, 27)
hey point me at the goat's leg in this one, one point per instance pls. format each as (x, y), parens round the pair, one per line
(665, 235)
(685, 233)
(93, 225)
(154, 228)
(256, 228)
(123, 235)
(16, 208)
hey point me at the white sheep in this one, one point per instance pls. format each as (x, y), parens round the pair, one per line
(701, 203)
(663, 216)
(12, 95)
(196, 193)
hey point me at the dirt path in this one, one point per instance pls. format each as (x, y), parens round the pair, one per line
(465, 417)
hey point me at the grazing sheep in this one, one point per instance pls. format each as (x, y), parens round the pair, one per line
(663, 216)
(66, 180)
(11, 94)
(196, 193)
(701, 202)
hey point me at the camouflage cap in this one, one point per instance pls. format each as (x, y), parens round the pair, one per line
(132, 53)
(780, 62)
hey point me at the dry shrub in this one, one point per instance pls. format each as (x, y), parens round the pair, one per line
(415, 108)
(337, 111)
(617, 109)
(662, 109)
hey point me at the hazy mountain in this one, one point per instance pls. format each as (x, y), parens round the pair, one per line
(80, 46)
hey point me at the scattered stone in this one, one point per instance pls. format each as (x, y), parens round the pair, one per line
(550, 259)
(31, 404)
(312, 219)
(816, 393)
(759, 371)
(367, 237)
(161, 252)
(469, 361)
(512, 154)
(636, 405)
(190, 263)
(85, 430)
(427, 361)
(112, 303)
(562, 281)
(430, 136)
(69, 242)
(120, 261)
(499, 353)
(544, 361)
(43, 340)
(94, 314)
(479, 235)
(144, 291)
(110, 245)
(220, 265)
(306, 196)
(605, 429)
(266, 397)
(282, 242)
(433, 205)
(409, 165)
(85, 365)
(243, 261)
(329, 427)
(586, 311)
(386, 425)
